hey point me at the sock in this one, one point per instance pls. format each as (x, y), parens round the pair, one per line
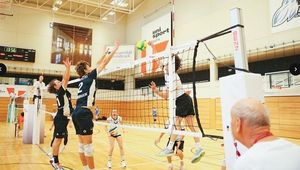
(122, 158)
(170, 145)
(181, 163)
(109, 158)
(55, 157)
(85, 167)
(170, 165)
(197, 145)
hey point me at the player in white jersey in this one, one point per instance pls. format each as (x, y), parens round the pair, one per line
(184, 108)
(82, 116)
(114, 135)
(38, 88)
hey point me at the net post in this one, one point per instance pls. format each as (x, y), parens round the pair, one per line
(172, 90)
(240, 58)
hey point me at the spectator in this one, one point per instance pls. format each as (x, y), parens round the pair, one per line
(250, 125)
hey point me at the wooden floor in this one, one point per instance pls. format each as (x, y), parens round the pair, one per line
(139, 147)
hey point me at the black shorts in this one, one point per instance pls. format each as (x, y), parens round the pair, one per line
(175, 146)
(184, 106)
(35, 96)
(60, 126)
(115, 136)
(83, 121)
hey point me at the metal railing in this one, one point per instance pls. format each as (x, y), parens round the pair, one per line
(281, 79)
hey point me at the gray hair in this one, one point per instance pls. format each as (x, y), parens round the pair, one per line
(254, 113)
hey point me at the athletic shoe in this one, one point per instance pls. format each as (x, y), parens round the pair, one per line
(165, 152)
(198, 155)
(123, 164)
(55, 165)
(109, 164)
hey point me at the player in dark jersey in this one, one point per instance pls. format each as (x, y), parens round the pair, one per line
(60, 120)
(82, 116)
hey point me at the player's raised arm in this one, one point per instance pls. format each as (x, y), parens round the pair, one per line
(66, 76)
(164, 94)
(104, 60)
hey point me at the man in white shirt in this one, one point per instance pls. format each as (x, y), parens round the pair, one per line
(38, 86)
(250, 124)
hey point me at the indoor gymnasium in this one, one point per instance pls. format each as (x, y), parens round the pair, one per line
(150, 84)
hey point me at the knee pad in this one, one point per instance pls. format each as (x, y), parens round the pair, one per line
(81, 148)
(88, 150)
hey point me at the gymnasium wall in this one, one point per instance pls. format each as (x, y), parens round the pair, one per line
(31, 29)
(196, 19)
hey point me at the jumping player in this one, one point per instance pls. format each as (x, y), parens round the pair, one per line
(59, 88)
(114, 135)
(184, 108)
(82, 116)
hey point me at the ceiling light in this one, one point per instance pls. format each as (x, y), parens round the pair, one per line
(123, 4)
(55, 8)
(111, 13)
(58, 2)
(120, 3)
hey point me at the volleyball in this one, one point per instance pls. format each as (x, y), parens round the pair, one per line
(141, 45)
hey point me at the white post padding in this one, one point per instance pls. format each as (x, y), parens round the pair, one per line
(34, 123)
(234, 88)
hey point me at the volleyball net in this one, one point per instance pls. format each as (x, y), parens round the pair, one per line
(138, 105)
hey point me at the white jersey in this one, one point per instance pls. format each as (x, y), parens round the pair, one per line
(114, 125)
(38, 88)
(178, 84)
(270, 155)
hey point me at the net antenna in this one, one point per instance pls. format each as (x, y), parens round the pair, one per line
(6, 8)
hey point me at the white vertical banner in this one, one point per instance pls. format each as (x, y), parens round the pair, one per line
(159, 31)
(284, 14)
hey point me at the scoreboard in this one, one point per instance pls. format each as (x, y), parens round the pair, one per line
(17, 54)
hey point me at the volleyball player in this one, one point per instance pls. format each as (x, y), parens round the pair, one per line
(114, 135)
(177, 147)
(154, 115)
(59, 88)
(184, 109)
(37, 88)
(68, 115)
(82, 116)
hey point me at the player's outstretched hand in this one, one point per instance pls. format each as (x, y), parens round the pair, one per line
(153, 86)
(67, 63)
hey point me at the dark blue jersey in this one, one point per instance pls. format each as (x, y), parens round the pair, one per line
(86, 89)
(60, 100)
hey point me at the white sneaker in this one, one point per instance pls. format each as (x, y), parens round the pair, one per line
(109, 164)
(165, 152)
(123, 164)
(198, 155)
(55, 165)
